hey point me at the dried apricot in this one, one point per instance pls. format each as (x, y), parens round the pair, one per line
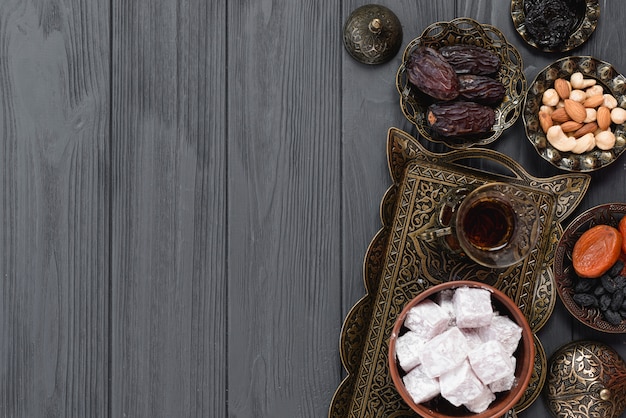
(622, 229)
(596, 251)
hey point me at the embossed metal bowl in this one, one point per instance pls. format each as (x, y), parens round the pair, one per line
(607, 76)
(607, 214)
(525, 357)
(586, 379)
(587, 19)
(465, 31)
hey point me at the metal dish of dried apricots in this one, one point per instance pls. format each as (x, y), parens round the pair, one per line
(574, 114)
(461, 83)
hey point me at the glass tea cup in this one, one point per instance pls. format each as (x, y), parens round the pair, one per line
(496, 224)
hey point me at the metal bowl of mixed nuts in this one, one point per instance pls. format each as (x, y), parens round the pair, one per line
(597, 298)
(574, 114)
(461, 83)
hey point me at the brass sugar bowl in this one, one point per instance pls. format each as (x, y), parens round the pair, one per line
(586, 379)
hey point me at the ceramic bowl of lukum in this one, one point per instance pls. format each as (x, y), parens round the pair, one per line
(464, 31)
(508, 325)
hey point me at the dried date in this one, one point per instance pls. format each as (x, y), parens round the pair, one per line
(481, 89)
(432, 74)
(471, 59)
(460, 118)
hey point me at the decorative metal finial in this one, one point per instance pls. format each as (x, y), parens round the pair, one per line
(372, 34)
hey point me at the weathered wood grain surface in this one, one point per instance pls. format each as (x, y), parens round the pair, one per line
(187, 191)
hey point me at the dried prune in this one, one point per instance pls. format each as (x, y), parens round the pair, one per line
(585, 300)
(432, 74)
(471, 59)
(551, 22)
(481, 89)
(460, 118)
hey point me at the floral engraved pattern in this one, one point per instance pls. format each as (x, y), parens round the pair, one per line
(586, 379)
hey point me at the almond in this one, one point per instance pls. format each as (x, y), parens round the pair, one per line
(560, 115)
(571, 126)
(603, 117)
(585, 129)
(575, 110)
(545, 120)
(594, 101)
(562, 88)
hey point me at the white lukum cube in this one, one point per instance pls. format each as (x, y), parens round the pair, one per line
(408, 347)
(421, 387)
(504, 330)
(444, 299)
(491, 362)
(507, 382)
(460, 385)
(472, 307)
(481, 402)
(427, 319)
(443, 352)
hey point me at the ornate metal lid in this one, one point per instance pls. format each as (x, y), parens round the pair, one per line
(586, 379)
(372, 34)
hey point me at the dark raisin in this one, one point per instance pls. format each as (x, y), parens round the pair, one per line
(432, 74)
(622, 312)
(616, 301)
(481, 89)
(616, 269)
(460, 118)
(471, 59)
(585, 300)
(612, 317)
(620, 282)
(599, 291)
(584, 285)
(605, 302)
(608, 283)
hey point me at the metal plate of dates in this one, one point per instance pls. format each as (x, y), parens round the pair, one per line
(414, 104)
(607, 76)
(398, 267)
(586, 22)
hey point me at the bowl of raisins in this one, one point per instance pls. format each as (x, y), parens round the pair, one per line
(597, 300)
(555, 25)
(461, 83)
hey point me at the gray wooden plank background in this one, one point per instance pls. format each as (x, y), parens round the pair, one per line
(188, 189)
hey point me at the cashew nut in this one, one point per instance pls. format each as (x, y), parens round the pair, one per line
(605, 140)
(559, 140)
(550, 97)
(584, 144)
(595, 90)
(610, 101)
(578, 81)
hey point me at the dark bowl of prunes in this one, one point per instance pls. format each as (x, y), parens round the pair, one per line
(461, 83)
(590, 272)
(555, 25)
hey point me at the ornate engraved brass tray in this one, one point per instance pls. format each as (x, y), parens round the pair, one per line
(397, 267)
